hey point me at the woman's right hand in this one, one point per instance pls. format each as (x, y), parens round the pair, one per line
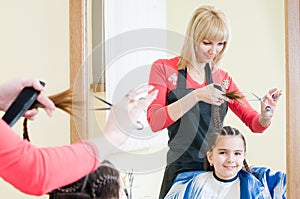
(10, 90)
(211, 94)
(126, 114)
(124, 119)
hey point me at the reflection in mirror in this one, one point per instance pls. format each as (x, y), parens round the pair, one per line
(255, 59)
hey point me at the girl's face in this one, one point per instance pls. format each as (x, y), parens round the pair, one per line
(227, 156)
(208, 49)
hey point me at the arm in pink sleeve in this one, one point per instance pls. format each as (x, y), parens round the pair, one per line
(246, 113)
(157, 113)
(37, 171)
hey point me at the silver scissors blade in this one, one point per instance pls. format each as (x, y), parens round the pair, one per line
(267, 107)
(258, 98)
(102, 100)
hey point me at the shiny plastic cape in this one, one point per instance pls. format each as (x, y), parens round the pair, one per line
(266, 184)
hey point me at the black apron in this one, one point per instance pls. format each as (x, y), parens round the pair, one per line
(187, 148)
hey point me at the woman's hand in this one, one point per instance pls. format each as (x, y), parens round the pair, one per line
(10, 90)
(123, 120)
(211, 94)
(270, 99)
(126, 114)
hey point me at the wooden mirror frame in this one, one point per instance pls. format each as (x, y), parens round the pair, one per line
(78, 71)
(292, 43)
(78, 53)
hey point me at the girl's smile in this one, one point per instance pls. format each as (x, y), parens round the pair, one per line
(227, 156)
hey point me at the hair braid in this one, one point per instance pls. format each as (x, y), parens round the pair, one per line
(102, 183)
(25, 130)
(99, 183)
(76, 190)
(247, 166)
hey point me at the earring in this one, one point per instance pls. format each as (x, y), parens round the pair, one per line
(211, 164)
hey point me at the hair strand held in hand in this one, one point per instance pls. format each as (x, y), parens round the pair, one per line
(235, 95)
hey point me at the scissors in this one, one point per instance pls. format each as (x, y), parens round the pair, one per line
(267, 107)
(130, 180)
(104, 101)
(140, 125)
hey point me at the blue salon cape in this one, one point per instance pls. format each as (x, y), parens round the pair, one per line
(267, 185)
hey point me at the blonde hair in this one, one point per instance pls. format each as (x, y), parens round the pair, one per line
(207, 23)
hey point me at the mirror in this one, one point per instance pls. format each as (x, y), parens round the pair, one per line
(257, 48)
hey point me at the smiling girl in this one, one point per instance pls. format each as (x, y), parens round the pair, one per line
(228, 175)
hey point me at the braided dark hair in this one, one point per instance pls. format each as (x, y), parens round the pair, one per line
(225, 131)
(103, 183)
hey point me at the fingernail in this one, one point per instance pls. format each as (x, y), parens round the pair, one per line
(49, 112)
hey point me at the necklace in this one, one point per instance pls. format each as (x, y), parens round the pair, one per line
(192, 69)
(197, 75)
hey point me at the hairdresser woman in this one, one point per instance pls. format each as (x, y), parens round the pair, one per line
(191, 86)
(37, 171)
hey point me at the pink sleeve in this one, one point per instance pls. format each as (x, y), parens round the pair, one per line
(157, 113)
(246, 112)
(37, 171)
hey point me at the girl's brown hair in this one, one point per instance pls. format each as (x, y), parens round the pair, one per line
(103, 183)
(63, 100)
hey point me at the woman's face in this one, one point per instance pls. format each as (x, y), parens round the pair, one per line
(227, 156)
(208, 49)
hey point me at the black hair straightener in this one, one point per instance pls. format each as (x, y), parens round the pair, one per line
(22, 103)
